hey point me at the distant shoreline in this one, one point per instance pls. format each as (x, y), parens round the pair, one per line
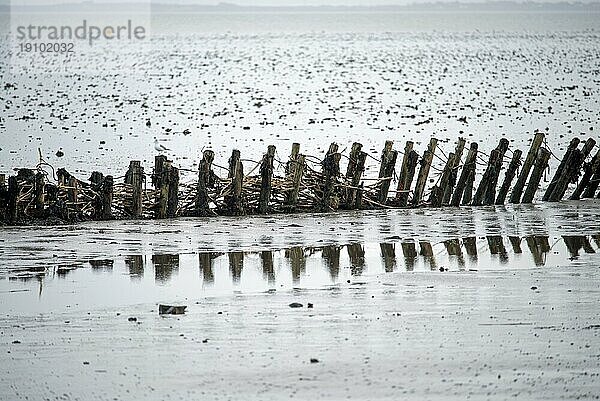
(449, 7)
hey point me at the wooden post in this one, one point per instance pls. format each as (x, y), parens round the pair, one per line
(160, 181)
(591, 188)
(266, 173)
(331, 170)
(39, 194)
(407, 172)
(2, 182)
(205, 180)
(486, 192)
(73, 191)
(13, 196)
(564, 164)
(386, 171)
(173, 197)
(510, 174)
(437, 193)
(135, 178)
(460, 147)
(590, 170)
(424, 172)
(515, 196)
(541, 162)
(571, 171)
(355, 176)
(297, 167)
(233, 199)
(470, 165)
(107, 198)
(293, 161)
(353, 160)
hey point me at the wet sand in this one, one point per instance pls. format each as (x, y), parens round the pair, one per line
(519, 320)
(452, 335)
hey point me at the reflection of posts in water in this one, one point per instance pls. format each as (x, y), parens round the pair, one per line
(453, 249)
(164, 266)
(205, 260)
(135, 265)
(297, 262)
(106, 264)
(470, 244)
(356, 253)
(538, 246)
(266, 258)
(426, 250)
(496, 245)
(388, 256)
(576, 242)
(409, 250)
(331, 258)
(596, 238)
(515, 242)
(236, 264)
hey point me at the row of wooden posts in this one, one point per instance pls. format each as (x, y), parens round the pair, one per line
(305, 185)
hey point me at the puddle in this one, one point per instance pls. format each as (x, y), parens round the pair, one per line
(150, 278)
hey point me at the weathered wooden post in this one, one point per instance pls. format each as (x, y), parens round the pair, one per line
(510, 174)
(486, 192)
(206, 179)
(564, 164)
(424, 172)
(590, 170)
(571, 171)
(293, 161)
(460, 147)
(469, 166)
(160, 180)
(353, 159)
(296, 168)
(515, 196)
(541, 162)
(407, 173)
(437, 193)
(173, 196)
(386, 171)
(356, 167)
(233, 199)
(135, 178)
(13, 197)
(39, 194)
(2, 182)
(331, 171)
(266, 173)
(591, 188)
(107, 198)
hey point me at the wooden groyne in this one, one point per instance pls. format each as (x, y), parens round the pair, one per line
(301, 183)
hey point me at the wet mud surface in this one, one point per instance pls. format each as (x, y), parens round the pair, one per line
(486, 303)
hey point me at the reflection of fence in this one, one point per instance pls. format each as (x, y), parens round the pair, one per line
(304, 183)
(449, 254)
